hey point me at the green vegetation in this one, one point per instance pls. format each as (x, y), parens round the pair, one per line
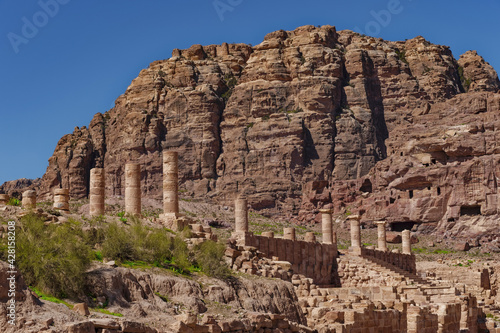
(163, 298)
(116, 314)
(402, 56)
(14, 202)
(465, 81)
(49, 298)
(53, 258)
(209, 256)
(122, 217)
(230, 81)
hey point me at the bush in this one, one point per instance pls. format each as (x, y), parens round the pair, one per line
(54, 258)
(117, 244)
(14, 202)
(209, 256)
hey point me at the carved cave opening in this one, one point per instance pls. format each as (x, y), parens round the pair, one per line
(367, 186)
(470, 210)
(401, 226)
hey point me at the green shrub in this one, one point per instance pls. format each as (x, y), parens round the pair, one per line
(118, 244)
(209, 256)
(14, 202)
(53, 258)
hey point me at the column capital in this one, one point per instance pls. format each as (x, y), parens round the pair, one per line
(354, 217)
(326, 211)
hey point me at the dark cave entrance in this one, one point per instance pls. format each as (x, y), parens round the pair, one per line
(470, 210)
(367, 186)
(401, 226)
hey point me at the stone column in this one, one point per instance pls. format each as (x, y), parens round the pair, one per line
(326, 225)
(382, 242)
(355, 234)
(406, 236)
(171, 182)
(29, 199)
(269, 234)
(133, 189)
(61, 199)
(310, 237)
(96, 191)
(4, 199)
(289, 233)
(241, 215)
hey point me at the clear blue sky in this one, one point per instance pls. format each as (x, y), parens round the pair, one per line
(85, 53)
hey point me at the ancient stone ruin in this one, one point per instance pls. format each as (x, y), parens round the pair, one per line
(133, 189)
(29, 199)
(97, 192)
(61, 199)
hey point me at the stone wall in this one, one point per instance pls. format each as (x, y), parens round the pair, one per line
(406, 262)
(311, 259)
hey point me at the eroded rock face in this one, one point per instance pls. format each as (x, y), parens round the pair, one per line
(442, 169)
(295, 121)
(477, 74)
(15, 188)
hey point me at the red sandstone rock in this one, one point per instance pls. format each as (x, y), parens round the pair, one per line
(462, 246)
(393, 238)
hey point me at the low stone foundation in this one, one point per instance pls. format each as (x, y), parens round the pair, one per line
(311, 259)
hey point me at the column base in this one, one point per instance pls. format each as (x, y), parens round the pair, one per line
(174, 221)
(356, 250)
(240, 237)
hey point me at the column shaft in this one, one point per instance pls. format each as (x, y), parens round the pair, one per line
(381, 233)
(241, 215)
(170, 182)
(326, 225)
(61, 199)
(29, 199)
(289, 233)
(406, 236)
(133, 189)
(96, 192)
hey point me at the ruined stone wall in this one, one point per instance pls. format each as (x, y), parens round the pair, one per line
(311, 259)
(421, 320)
(406, 262)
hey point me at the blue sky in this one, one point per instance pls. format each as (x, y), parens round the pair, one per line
(62, 61)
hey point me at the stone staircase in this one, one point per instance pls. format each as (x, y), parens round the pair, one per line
(409, 286)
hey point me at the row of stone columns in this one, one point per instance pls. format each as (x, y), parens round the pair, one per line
(132, 190)
(241, 224)
(381, 235)
(133, 202)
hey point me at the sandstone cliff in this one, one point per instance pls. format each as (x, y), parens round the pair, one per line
(305, 117)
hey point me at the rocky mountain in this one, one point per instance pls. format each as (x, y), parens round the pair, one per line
(306, 119)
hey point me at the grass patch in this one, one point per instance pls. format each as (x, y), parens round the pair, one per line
(49, 298)
(116, 314)
(162, 297)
